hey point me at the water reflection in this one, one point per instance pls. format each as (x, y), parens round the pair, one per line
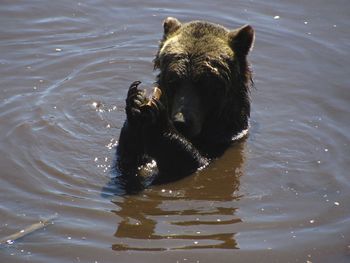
(194, 213)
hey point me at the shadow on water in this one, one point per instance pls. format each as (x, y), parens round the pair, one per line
(196, 212)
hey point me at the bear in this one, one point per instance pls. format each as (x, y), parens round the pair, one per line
(205, 81)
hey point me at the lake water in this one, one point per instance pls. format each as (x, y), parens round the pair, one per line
(281, 195)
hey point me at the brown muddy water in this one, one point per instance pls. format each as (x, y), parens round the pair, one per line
(281, 195)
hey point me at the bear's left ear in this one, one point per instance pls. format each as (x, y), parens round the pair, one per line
(242, 39)
(170, 25)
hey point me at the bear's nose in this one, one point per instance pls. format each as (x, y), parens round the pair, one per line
(179, 118)
(180, 123)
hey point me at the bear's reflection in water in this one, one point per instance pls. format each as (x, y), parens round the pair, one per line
(195, 212)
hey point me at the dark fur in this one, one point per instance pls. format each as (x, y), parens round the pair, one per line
(205, 81)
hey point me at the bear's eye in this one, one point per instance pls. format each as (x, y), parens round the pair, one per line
(173, 79)
(172, 84)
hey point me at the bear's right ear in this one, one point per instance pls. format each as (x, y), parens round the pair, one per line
(170, 25)
(242, 39)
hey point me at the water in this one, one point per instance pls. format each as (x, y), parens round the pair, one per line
(281, 195)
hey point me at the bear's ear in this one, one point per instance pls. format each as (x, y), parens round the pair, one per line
(242, 39)
(170, 25)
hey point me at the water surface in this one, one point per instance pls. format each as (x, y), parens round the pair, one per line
(281, 195)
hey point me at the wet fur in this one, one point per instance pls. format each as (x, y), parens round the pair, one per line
(208, 63)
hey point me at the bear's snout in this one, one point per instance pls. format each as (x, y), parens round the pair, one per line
(187, 124)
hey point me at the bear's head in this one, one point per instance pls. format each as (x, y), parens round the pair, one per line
(205, 77)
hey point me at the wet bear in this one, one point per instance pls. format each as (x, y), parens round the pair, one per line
(204, 104)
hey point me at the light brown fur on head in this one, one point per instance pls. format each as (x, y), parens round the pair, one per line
(198, 36)
(201, 52)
